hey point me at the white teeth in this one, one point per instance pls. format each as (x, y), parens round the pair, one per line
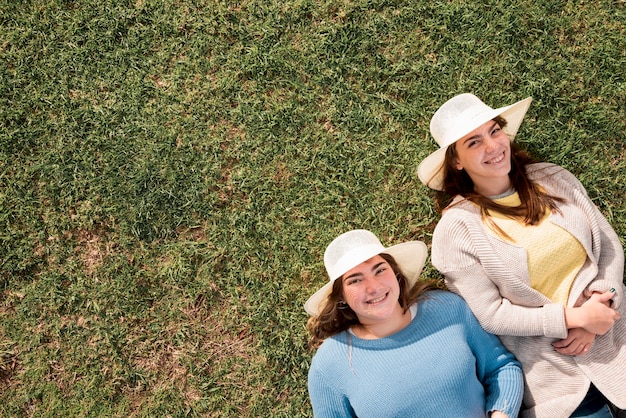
(377, 300)
(496, 160)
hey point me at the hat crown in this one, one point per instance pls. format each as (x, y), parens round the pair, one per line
(450, 121)
(349, 250)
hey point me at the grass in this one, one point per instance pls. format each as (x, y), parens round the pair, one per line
(172, 171)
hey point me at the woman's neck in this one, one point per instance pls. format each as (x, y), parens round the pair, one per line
(384, 329)
(508, 193)
(494, 187)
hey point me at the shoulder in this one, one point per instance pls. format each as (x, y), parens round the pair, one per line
(443, 295)
(537, 168)
(550, 173)
(442, 309)
(331, 344)
(461, 209)
(557, 181)
(328, 354)
(435, 300)
(460, 220)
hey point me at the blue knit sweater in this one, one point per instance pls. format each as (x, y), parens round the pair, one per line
(443, 364)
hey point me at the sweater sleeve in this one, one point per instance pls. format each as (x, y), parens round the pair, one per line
(479, 273)
(497, 369)
(326, 400)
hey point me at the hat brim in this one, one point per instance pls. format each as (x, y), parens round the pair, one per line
(409, 256)
(430, 171)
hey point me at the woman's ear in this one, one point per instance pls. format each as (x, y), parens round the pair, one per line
(457, 164)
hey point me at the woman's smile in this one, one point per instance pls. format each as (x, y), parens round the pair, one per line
(496, 160)
(377, 300)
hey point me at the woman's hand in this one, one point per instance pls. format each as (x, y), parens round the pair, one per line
(498, 414)
(594, 315)
(588, 293)
(577, 343)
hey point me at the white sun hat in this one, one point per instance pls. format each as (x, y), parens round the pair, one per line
(352, 248)
(458, 117)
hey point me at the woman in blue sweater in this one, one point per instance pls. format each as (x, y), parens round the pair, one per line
(391, 346)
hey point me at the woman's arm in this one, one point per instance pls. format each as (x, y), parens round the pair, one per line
(493, 278)
(577, 343)
(593, 316)
(497, 368)
(325, 399)
(502, 316)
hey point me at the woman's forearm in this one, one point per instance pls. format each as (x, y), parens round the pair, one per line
(594, 315)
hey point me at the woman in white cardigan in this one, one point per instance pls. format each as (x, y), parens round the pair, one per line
(534, 258)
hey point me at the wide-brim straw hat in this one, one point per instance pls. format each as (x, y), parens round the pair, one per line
(352, 248)
(455, 119)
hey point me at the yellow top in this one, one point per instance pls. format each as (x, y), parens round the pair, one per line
(554, 255)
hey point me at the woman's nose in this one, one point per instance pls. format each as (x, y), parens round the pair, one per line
(490, 144)
(371, 285)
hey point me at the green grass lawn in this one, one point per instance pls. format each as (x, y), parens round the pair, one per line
(172, 171)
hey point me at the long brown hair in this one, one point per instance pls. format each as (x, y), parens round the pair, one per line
(535, 201)
(337, 316)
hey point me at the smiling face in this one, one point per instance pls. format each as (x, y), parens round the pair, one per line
(371, 289)
(485, 154)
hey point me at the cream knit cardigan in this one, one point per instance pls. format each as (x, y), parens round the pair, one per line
(492, 276)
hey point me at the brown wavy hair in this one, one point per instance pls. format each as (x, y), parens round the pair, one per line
(337, 316)
(535, 201)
